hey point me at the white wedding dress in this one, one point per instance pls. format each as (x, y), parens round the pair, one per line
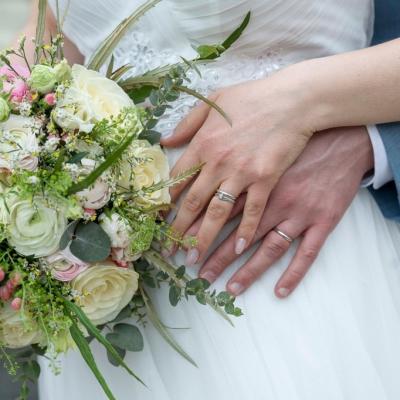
(338, 336)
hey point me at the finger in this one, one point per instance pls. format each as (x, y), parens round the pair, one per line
(271, 250)
(253, 211)
(188, 127)
(305, 256)
(237, 209)
(195, 201)
(188, 160)
(225, 254)
(215, 218)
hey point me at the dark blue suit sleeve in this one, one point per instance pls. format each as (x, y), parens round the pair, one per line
(387, 27)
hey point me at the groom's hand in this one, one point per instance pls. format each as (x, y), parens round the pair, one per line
(308, 202)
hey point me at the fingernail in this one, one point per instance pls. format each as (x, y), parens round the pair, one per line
(283, 292)
(208, 276)
(192, 257)
(240, 246)
(236, 288)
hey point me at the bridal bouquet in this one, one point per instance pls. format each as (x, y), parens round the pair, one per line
(82, 185)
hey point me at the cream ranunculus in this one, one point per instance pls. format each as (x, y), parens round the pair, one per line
(17, 329)
(104, 290)
(117, 230)
(35, 228)
(18, 144)
(151, 168)
(90, 98)
(97, 195)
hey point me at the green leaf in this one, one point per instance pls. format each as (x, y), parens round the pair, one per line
(84, 320)
(153, 137)
(87, 355)
(174, 295)
(127, 337)
(163, 331)
(68, 235)
(121, 352)
(108, 162)
(110, 67)
(124, 314)
(107, 47)
(140, 94)
(120, 72)
(40, 27)
(30, 370)
(199, 96)
(237, 33)
(76, 158)
(90, 243)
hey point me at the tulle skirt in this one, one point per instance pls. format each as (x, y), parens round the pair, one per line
(337, 337)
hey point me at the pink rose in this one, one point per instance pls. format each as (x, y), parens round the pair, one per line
(65, 266)
(19, 90)
(50, 99)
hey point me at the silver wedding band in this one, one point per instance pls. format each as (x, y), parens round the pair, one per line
(225, 196)
(283, 235)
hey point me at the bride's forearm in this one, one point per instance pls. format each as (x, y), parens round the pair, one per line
(357, 88)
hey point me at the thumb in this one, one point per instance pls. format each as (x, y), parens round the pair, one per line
(188, 127)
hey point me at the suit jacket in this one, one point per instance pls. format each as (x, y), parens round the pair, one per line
(387, 27)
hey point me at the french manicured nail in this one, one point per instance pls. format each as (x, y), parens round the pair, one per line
(192, 257)
(236, 288)
(283, 292)
(240, 246)
(208, 276)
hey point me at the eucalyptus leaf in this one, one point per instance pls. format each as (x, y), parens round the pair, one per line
(174, 295)
(153, 137)
(121, 352)
(127, 337)
(90, 243)
(124, 314)
(68, 235)
(76, 158)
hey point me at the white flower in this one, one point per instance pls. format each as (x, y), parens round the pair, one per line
(151, 169)
(18, 145)
(17, 329)
(34, 228)
(97, 195)
(105, 290)
(90, 98)
(51, 143)
(117, 230)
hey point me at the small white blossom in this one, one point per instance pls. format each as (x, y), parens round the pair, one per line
(33, 180)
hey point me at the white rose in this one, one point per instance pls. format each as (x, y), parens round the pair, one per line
(117, 230)
(105, 290)
(90, 98)
(35, 229)
(18, 144)
(16, 329)
(152, 169)
(97, 195)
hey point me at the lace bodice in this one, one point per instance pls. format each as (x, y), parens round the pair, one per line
(280, 32)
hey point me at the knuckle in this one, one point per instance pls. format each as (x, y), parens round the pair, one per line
(310, 253)
(274, 248)
(192, 202)
(220, 263)
(295, 275)
(217, 210)
(254, 209)
(249, 276)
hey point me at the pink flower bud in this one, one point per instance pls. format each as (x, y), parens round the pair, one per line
(50, 99)
(4, 293)
(16, 279)
(2, 275)
(16, 304)
(19, 91)
(10, 286)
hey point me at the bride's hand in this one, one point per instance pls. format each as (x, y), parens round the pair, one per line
(269, 130)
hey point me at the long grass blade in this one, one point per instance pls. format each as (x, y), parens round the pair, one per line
(87, 355)
(199, 96)
(108, 46)
(163, 331)
(107, 163)
(40, 28)
(99, 337)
